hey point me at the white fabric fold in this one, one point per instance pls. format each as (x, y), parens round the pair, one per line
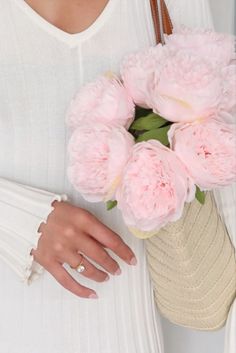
(22, 210)
(226, 202)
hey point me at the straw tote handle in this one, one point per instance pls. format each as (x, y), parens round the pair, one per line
(161, 19)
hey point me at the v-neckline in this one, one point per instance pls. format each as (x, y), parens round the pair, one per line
(69, 38)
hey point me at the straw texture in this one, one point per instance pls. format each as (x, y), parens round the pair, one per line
(193, 268)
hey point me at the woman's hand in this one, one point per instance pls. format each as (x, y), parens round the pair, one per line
(70, 231)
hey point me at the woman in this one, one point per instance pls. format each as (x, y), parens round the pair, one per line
(48, 49)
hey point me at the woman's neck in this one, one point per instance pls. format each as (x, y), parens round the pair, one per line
(72, 16)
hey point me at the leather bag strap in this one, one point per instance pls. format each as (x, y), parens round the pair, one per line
(161, 19)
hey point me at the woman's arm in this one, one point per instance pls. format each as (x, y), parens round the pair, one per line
(192, 13)
(226, 202)
(197, 13)
(42, 226)
(22, 210)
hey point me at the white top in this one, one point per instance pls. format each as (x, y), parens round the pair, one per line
(42, 68)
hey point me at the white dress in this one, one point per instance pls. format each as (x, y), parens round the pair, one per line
(41, 68)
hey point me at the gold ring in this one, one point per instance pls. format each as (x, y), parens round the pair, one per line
(80, 267)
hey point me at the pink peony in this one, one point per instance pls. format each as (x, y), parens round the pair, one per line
(153, 189)
(137, 71)
(105, 100)
(98, 154)
(219, 48)
(228, 103)
(189, 88)
(208, 149)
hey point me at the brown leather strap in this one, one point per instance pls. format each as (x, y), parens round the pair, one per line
(166, 20)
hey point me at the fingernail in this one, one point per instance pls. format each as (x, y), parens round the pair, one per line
(133, 261)
(93, 296)
(118, 272)
(107, 278)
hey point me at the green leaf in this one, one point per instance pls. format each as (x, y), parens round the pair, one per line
(200, 196)
(156, 134)
(111, 204)
(149, 122)
(140, 112)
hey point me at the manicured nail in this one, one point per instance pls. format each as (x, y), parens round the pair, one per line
(93, 296)
(133, 261)
(118, 272)
(107, 278)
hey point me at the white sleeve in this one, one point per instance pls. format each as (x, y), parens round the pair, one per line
(226, 202)
(226, 197)
(225, 23)
(22, 210)
(191, 13)
(197, 13)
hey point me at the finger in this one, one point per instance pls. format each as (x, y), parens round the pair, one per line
(110, 240)
(74, 259)
(69, 283)
(97, 253)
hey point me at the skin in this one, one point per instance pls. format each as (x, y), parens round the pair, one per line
(71, 231)
(72, 16)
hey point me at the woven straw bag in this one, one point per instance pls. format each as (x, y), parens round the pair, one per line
(193, 268)
(192, 261)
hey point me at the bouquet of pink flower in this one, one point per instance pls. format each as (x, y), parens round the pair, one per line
(161, 133)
